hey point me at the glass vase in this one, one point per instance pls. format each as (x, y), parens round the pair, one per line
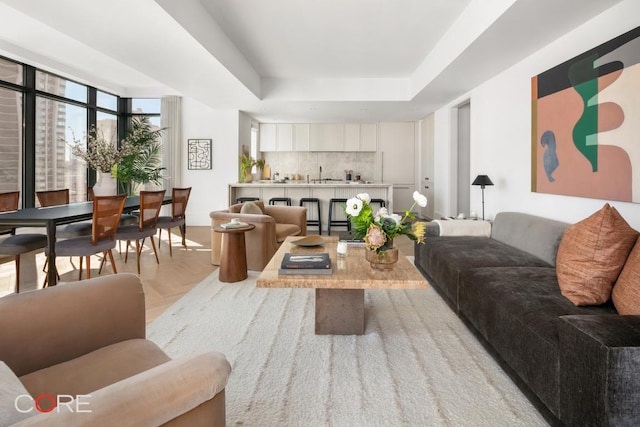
(383, 260)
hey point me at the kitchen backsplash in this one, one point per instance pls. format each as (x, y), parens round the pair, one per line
(333, 164)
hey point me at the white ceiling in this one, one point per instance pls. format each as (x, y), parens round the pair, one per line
(289, 60)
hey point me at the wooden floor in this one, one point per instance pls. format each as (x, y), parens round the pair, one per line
(163, 284)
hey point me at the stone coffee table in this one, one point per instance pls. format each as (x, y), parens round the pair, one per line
(340, 296)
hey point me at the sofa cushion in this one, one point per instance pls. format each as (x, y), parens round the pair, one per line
(10, 389)
(97, 369)
(537, 235)
(285, 230)
(517, 310)
(591, 255)
(626, 291)
(443, 258)
(251, 208)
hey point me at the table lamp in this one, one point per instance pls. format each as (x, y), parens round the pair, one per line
(482, 181)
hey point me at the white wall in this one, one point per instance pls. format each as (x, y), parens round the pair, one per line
(210, 187)
(501, 131)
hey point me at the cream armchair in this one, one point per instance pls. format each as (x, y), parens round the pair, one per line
(88, 338)
(272, 226)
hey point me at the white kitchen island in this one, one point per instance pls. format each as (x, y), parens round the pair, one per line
(323, 191)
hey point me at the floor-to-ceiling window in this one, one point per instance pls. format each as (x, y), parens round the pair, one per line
(42, 114)
(11, 113)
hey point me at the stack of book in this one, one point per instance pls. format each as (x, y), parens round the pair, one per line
(307, 263)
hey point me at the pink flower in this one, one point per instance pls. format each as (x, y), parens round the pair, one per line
(375, 237)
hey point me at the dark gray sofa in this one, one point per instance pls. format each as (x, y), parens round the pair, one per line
(581, 363)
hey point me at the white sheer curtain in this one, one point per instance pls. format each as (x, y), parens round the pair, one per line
(171, 119)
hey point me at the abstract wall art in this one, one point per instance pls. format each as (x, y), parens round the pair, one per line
(586, 123)
(199, 154)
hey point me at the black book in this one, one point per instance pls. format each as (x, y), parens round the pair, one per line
(307, 261)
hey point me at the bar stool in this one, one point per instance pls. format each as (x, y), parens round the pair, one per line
(337, 222)
(246, 199)
(318, 221)
(380, 202)
(285, 200)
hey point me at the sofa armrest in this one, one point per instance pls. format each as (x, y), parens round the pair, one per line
(289, 215)
(599, 365)
(45, 327)
(152, 397)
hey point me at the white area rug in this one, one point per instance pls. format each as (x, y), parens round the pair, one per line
(417, 364)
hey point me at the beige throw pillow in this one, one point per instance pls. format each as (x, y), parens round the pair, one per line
(591, 255)
(250, 208)
(626, 291)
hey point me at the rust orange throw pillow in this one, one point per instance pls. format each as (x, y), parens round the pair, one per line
(591, 255)
(626, 291)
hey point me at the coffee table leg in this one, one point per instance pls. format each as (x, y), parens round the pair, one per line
(339, 311)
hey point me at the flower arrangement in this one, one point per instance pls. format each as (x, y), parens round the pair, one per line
(99, 153)
(378, 230)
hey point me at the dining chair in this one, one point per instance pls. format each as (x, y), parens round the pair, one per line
(9, 202)
(61, 197)
(179, 200)
(104, 224)
(150, 205)
(17, 244)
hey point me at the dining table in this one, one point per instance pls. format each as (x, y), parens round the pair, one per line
(52, 216)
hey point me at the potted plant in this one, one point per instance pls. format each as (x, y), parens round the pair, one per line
(143, 166)
(246, 163)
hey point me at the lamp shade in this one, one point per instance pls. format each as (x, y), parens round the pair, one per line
(482, 180)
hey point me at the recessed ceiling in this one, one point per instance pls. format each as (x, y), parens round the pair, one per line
(335, 38)
(289, 60)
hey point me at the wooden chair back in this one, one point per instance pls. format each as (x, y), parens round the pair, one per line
(9, 202)
(106, 216)
(150, 204)
(53, 197)
(179, 200)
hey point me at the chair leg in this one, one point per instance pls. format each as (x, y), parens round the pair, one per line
(126, 254)
(102, 263)
(113, 263)
(160, 238)
(153, 245)
(170, 248)
(183, 233)
(80, 269)
(17, 274)
(138, 255)
(88, 266)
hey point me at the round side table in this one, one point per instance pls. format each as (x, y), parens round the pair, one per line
(233, 259)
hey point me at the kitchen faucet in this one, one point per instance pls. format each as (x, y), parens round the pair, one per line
(320, 174)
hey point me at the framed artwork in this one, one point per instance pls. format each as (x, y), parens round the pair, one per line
(586, 123)
(199, 154)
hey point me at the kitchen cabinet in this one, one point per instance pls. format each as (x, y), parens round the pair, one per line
(276, 137)
(284, 137)
(397, 150)
(326, 137)
(368, 137)
(352, 137)
(403, 198)
(268, 137)
(301, 137)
